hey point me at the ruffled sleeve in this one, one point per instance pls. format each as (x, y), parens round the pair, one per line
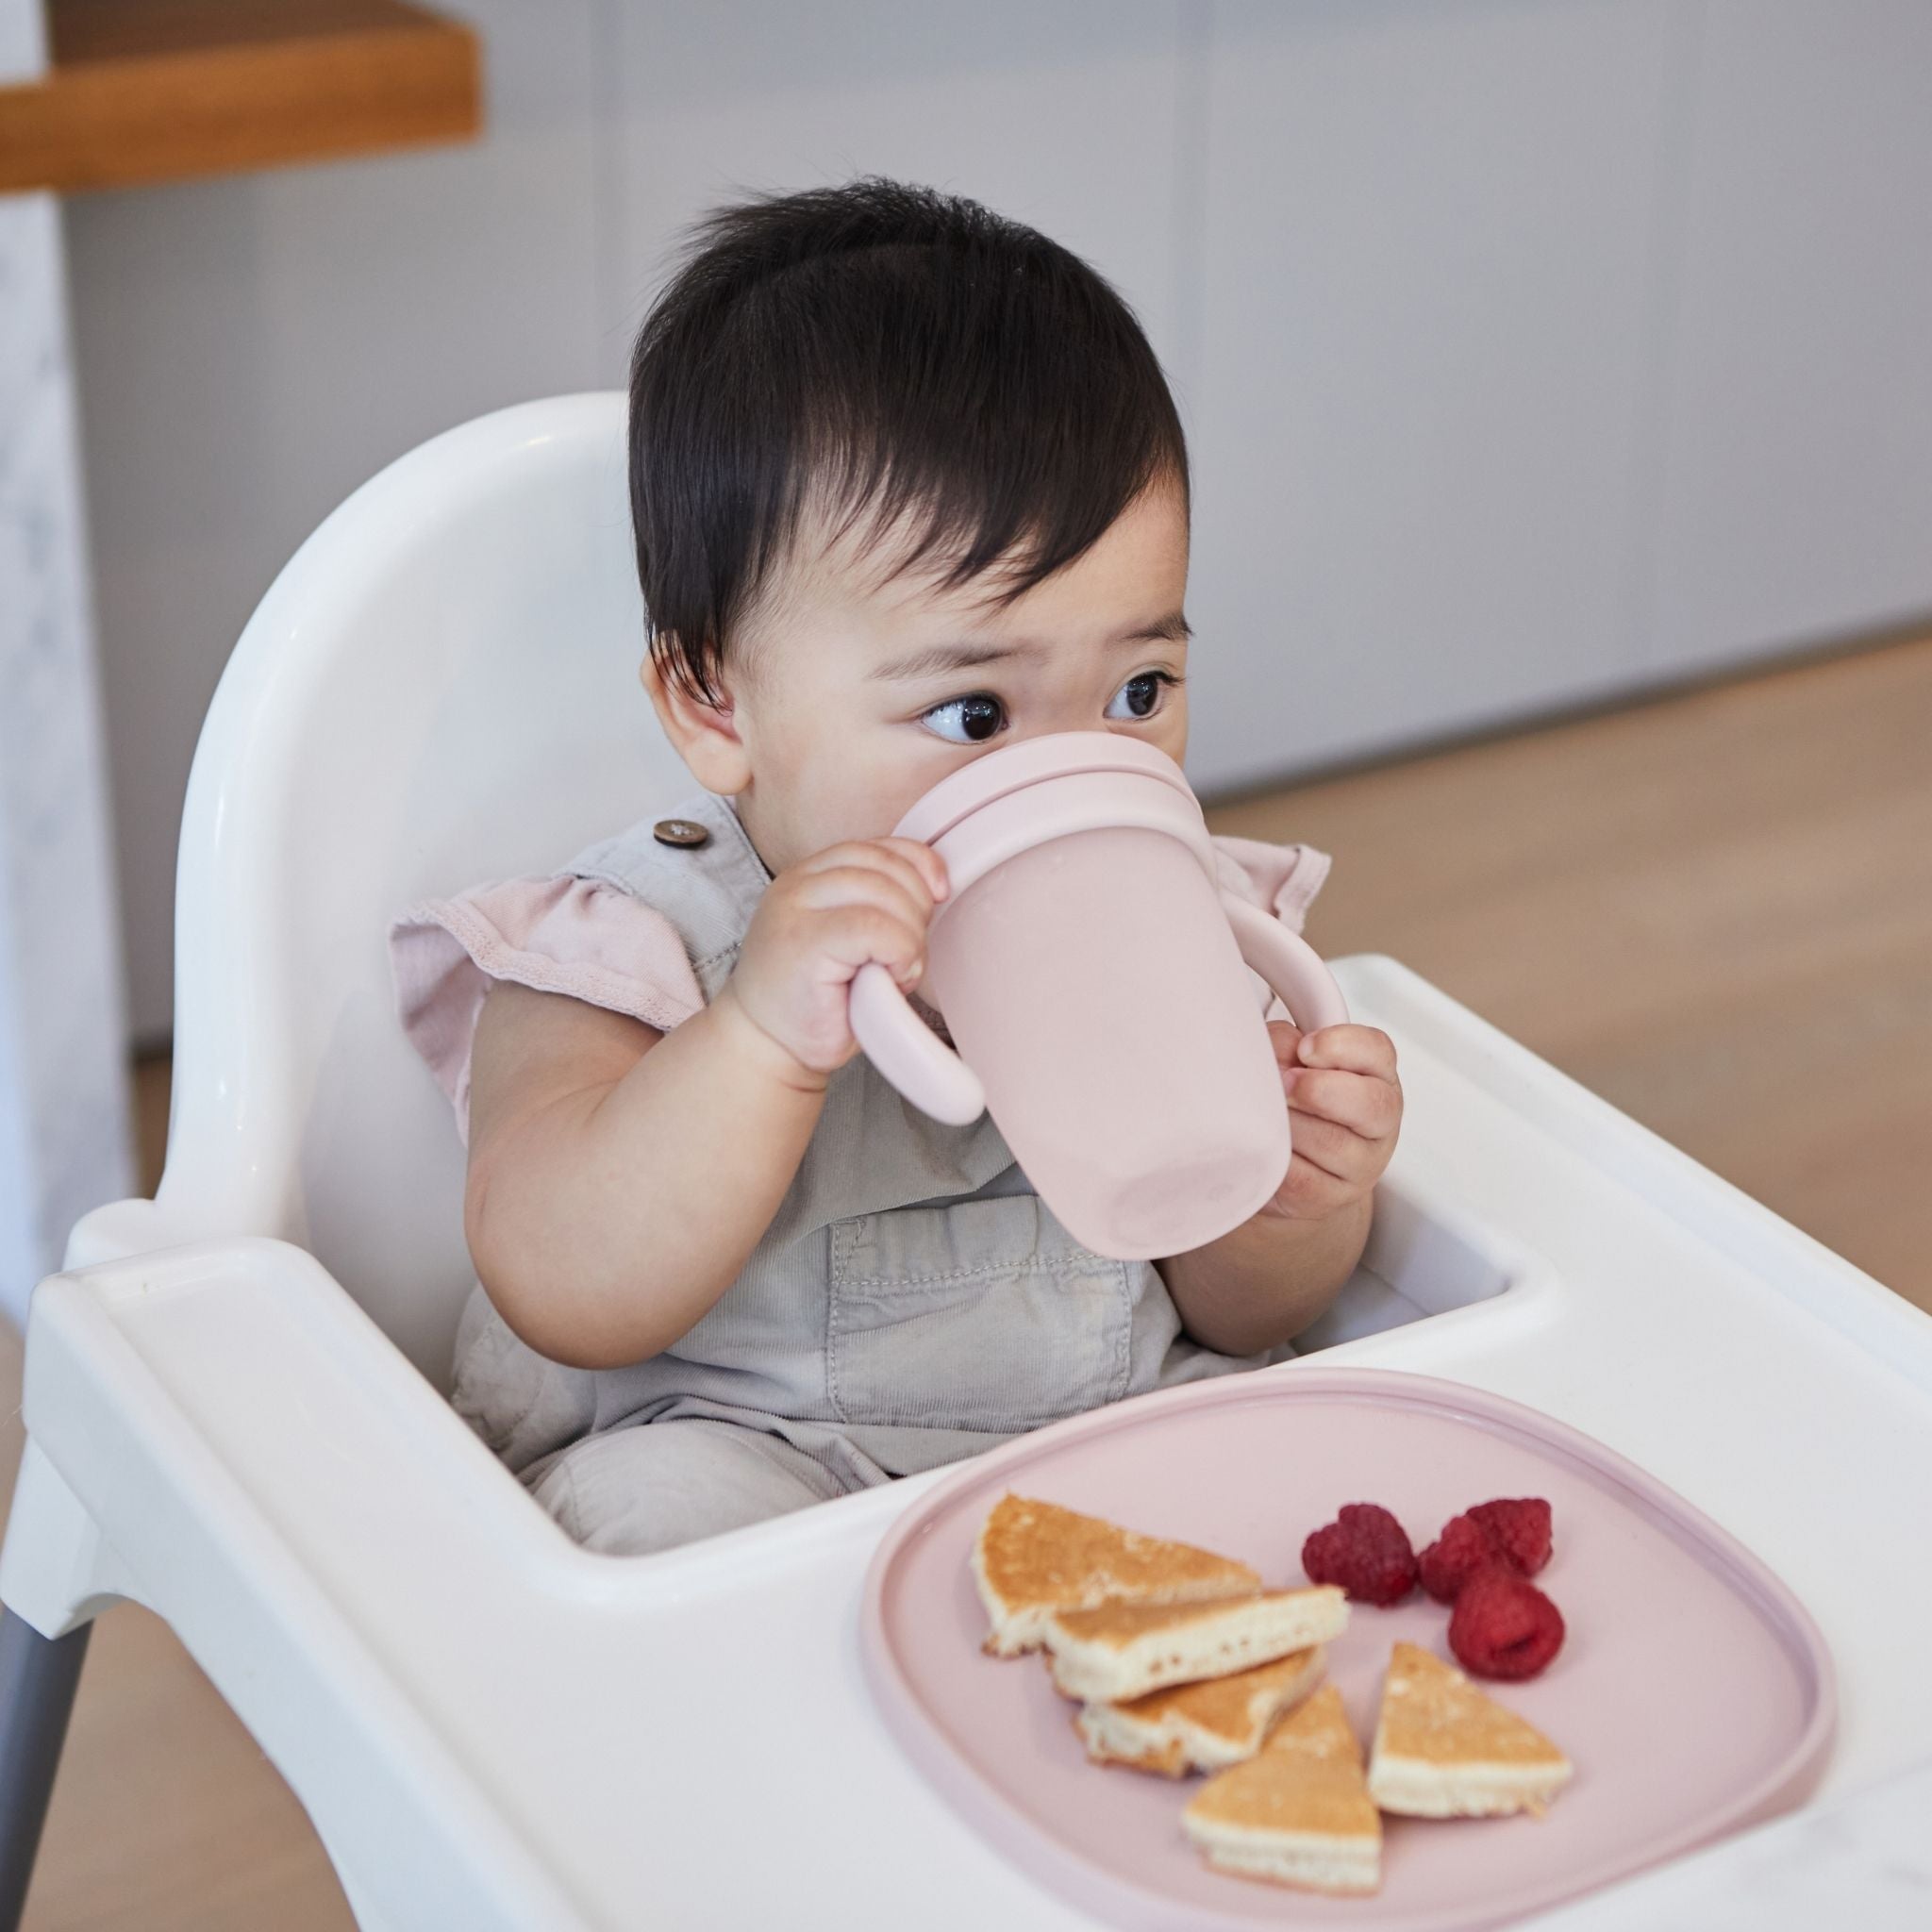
(1281, 879)
(581, 937)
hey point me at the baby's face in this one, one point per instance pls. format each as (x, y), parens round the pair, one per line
(852, 698)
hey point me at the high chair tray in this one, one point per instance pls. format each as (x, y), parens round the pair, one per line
(496, 1729)
(1694, 1693)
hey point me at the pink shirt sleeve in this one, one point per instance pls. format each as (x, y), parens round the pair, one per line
(591, 941)
(600, 944)
(1281, 879)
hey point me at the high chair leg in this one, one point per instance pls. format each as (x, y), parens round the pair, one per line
(38, 1676)
(56, 1575)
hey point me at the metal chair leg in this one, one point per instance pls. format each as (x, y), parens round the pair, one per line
(38, 1676)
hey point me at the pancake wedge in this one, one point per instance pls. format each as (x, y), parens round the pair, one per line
(1120, 1651)
(1032, 1559)
(1204, 1726)
(1298, 1813)
(1443, 1749)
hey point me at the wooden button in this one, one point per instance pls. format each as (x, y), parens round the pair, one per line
(679, 832)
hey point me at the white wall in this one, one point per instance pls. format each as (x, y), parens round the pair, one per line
(1531, 349)
(64, 1138)
(250, 350)
(1794, 457)
(1426, 257)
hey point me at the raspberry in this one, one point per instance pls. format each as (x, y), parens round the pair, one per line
(1503, 1626)
(1520, 1528)
(1364, 1550)
(1463, 1549)
(1515, 1533)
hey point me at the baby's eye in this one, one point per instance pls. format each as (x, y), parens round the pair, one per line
(966, 721)
(1140, 698)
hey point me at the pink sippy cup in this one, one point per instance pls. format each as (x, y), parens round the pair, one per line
(1093, 977)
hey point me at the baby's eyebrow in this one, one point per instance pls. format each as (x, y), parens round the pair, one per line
(936, 659)
(1172, 629)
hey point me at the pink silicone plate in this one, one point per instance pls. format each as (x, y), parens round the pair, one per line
(1694, 1693)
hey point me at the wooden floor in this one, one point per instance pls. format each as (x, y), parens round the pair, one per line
(1715, 909)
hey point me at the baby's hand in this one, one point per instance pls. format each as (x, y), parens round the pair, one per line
(820, 921)
(1346, 1104)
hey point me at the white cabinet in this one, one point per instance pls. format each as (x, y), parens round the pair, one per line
(1541, 350)
(249, 350)
(1794, 494)
(1532, 350)
(1416, 388)
(1062, 116)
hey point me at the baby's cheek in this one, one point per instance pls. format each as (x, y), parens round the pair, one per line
(1169, 733)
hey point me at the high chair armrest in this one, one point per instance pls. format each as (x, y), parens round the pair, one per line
(529, 1733)
(260, 1465)
(116, 1229)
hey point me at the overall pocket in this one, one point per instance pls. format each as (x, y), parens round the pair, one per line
(980, 1314)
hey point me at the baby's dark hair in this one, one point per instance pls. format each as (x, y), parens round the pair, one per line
(893, 353)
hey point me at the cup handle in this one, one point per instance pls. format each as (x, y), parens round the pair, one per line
(909, 1053)
(1287, 962)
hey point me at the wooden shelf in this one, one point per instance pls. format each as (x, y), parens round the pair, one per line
(147, 90)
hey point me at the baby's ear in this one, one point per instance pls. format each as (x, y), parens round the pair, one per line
(703, 731)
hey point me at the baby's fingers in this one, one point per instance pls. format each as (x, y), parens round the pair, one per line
(884, 859)
(856, 935)
(1285, 1038)
(1309, 1193)
(888, 889)
(1355, 1049)
(1339, 1152)
(922, 859)
(1365, 1105)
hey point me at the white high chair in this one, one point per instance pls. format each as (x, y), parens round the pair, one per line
(234, 1393)
(441, 685)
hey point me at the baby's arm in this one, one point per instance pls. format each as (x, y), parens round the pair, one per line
(619, 1177)
(1269, 1279)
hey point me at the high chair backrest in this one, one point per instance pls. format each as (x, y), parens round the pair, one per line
(441, 686)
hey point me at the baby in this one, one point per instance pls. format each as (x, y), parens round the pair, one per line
(907, 485)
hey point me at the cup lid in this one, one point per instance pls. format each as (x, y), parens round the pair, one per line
(1032, 761)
